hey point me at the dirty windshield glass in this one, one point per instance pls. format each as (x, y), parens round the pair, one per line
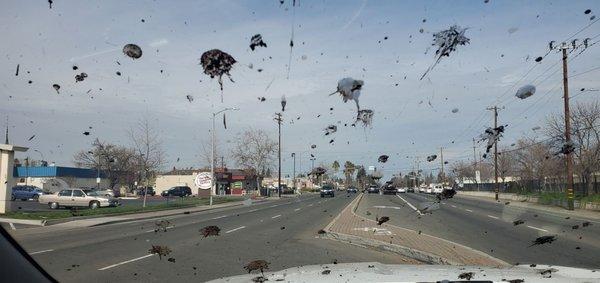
(300, 140)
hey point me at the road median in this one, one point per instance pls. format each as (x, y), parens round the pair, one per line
(354, 229)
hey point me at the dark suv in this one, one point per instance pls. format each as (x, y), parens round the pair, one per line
(327, 190)
(179, 191)
(141, 191)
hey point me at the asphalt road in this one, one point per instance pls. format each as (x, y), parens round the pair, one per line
(488, 227)
(282, 232)
(31, 205)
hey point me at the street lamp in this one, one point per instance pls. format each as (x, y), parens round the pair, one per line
(212, 160)
(294, 171)
(41, 154)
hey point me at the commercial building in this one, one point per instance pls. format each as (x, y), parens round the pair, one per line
(229, 181)
(56, 178)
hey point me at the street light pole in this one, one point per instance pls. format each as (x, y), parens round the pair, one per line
(212, 159)
(294, 170)
(279, 119)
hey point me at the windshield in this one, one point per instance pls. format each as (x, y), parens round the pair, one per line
(275, 134)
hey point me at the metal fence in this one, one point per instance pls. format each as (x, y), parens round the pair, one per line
(533, 187)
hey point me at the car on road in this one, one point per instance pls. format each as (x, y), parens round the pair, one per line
(327, 190)
(410, 190)
(389, 190)
(25, 193)
(77, 198)
(352, 189)
(178, 191)
(429, 189)
(373, 190)
(143, 190)
(402, 189)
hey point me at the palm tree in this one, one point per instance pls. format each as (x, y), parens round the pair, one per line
(336, 167)
(349, 169)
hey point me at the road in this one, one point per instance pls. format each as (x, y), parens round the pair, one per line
(282, 232)
(488, 226)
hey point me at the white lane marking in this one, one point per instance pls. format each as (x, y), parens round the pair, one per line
(39, 252)
(218, 217)
(409, 204)
(296, 209)
(252, 210)
(453, 205)
(12, 226)
(275, 205)
(468, 210)
(159, 229)
(233, 230)
(491, 216)
(310, 204)
(536, 228)
(124, 262)
(278, 215)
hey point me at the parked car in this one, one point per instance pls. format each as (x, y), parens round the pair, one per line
(410, 190)
(179, 191)
(77, 198)
(106, 192)
(401, 189)
(26, 192)
(144, 190)
(373, 190)
(327, 190)
(389, 190)
(352, 189)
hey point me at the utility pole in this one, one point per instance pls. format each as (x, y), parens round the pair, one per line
(475, 165)
(496, 187)
(279, 119)
(442, 163)
(213, 188)
(294, 171)
(569, 155)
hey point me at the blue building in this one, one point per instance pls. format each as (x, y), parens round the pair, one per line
(55, 178)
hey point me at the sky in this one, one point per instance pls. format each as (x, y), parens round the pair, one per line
(332, 40)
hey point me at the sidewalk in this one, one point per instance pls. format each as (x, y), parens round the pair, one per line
(591, 214)
(352, 228)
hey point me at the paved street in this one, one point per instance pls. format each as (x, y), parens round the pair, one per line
(488, 227)
(30, 205)
(282, 232)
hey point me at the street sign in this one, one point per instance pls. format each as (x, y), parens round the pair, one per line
(97, 180)
(203, 180)
(477, 176)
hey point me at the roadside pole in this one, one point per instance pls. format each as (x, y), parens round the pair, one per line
(496, 187)
(569, 155)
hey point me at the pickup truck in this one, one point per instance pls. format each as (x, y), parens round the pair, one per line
(77, 197)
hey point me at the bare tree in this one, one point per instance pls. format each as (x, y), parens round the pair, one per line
(462, 170)
(256, 151)
(585, 135)
(534, 161)
(117, 162)
(506, 163)
(147, 145)
(206, 153)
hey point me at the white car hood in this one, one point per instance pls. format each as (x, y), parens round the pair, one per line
(377, 272)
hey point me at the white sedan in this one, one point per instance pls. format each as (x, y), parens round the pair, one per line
(401, 190)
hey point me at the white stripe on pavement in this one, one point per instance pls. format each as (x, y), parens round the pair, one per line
(296, 209)
(124, 262)
(491, 216)
(453, 205)
(39, 252)
(218, 217)
(233, 230)
(468, 210)
(159, 229)
(409, 204)
(278, 215)
(253, 210)
(12, 226)
(536, 228)
(275, 205)
(310, 204)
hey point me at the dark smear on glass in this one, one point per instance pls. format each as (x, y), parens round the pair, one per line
(86, 133)
(17, 72)
(431, 158)
(539, 59)
(56, 87)
(210, 231)
(586, 224)
(543, 240)
(365, 116)
(257, 265)
(446, 42)
(466, 275)
(217, 63)
(171, 259)
(262, 99)
(160, 251)
(518, 222)
(118, 73)
(50, 4)
(80, 77)
(256, 40)
(162, 225)
(326, 272)
(382, 220)
(190, 98)
(525, 91)
(492, 135)
(587, 11)
(283, 103)
(132, 50)
(383, 158)
(30, 138)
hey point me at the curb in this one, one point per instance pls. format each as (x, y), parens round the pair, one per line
(394, 248)
(24, 221)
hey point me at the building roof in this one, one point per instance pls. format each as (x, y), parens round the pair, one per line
(55, 171)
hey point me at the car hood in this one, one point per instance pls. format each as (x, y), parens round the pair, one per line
(377, 272)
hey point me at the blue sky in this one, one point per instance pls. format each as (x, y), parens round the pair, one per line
(337, 39)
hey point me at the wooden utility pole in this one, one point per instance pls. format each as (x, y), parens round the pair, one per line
(569, 155)
(279, 119)
(496, 187)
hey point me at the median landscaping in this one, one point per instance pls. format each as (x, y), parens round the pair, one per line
(119, 210)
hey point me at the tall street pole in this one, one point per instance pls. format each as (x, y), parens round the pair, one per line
(569, 155)
(279, 120)
(442, 163)
(213, 188)
(496, 187)
(294, 170)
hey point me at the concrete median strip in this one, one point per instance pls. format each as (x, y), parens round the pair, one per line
(354, 229)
